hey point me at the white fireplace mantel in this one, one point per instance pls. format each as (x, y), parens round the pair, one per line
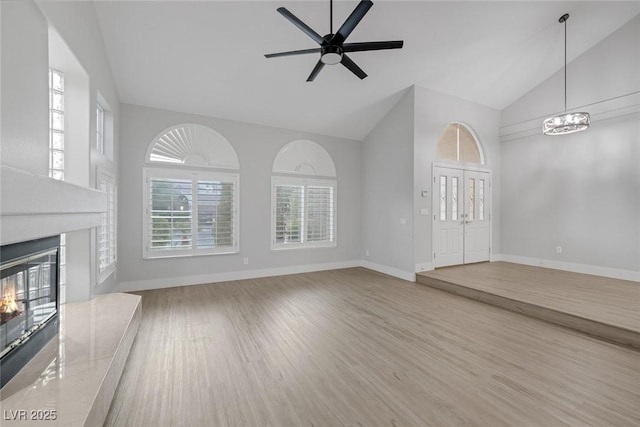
(33, 206)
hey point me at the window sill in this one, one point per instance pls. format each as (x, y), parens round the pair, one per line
(103, 276)
(189, 255)
(298, 247)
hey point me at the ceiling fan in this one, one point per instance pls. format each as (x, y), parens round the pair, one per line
(333, 49)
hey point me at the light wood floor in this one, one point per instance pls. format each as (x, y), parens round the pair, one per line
(356, 348)
(610, 301)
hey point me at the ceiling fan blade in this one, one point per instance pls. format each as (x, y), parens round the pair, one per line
(292, 52)
(298, 23)
(361, 47)
(353, 20)
(347, 62)
(316, 71)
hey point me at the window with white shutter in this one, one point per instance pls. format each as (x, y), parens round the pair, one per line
(303, 197)
(106, 234)
(303, 213)
(191, 203)
(192, 213)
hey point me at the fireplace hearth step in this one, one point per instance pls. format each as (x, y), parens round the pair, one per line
(74, 377)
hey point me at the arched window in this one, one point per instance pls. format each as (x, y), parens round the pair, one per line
(303, 197)
(457, 142)
(190, 193)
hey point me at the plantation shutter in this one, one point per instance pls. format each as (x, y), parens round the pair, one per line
(319, 214)
(106, 236)
(289, 214)
(303, 212)
(170, 213)
(215, 214)
(191, 213)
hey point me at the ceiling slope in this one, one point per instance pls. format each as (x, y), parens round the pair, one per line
(207, 57)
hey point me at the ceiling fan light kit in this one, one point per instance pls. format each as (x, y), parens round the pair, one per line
(333, 49)
(566, 123)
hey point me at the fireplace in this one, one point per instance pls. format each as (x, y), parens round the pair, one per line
(29, 302)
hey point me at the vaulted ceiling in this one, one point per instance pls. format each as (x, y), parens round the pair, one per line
(207, 57)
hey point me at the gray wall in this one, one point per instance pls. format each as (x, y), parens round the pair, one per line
(433, 111)
(256, 147)
(387, 191)
(579, 191)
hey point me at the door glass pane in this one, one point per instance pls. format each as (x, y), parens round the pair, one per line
(443, 198)
(472, 199)
(454, 198)
(481, 200)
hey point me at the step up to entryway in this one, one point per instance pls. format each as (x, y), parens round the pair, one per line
(602, 307)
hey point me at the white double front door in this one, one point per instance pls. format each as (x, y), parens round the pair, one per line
(461, 216)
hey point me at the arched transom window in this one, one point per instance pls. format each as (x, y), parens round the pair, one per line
(191, 193)
(457, 142)
(303, 197)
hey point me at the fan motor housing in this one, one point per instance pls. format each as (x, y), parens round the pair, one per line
(331, 54)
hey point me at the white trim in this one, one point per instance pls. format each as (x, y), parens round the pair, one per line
(458, 165)
(170, 282)
(620, 106)
(595, 270)
(424, 266)
(391, 271)
(495, 257)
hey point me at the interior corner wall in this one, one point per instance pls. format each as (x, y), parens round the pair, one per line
(433, 112)
(580, 192)
(387, 192)
(257, 147)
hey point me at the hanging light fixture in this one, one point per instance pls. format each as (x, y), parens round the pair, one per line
(566, 123)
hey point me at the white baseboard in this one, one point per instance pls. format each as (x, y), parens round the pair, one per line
(170, 282)
(425, 266)
(495, 257)
(573, 267)
(391, 271)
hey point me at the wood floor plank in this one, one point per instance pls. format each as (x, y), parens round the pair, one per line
(356, 348)
(610, 301)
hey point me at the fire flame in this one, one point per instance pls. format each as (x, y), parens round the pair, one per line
(8, 302)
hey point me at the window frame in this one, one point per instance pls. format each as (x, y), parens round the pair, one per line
(100, 128)
(278, 180)
(111, 223)
(61, 92)
(194, 175)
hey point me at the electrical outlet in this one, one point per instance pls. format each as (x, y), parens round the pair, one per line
(366, 252)
(558, 249)
(246, 261)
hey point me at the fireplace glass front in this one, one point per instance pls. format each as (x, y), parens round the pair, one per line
(28, 299)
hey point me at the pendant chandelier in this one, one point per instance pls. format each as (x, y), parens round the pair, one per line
(566, 123)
